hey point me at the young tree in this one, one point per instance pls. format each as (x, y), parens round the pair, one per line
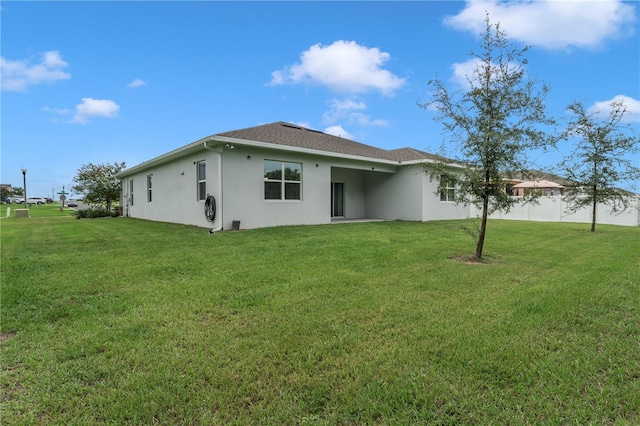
(600, 159)
(4, 193)
(98, 183)
(492, 126)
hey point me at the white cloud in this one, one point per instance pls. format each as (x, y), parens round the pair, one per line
(56, 111)
(349, 109)
(347, 105)
(19, 75)
(344, 66)
(341, 109)
(90, 108)
(551, 24)
(137, 83)
(365, 120)
(603, 108)
(338, 131)
(466, 73)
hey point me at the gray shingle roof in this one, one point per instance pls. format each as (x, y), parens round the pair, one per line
(408, 154)
(292, 135)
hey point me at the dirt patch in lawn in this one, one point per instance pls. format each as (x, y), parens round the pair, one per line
(6, 336)
(469, 259)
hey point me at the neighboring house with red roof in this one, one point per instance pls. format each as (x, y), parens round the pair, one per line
(283, 174)
(551, 205)
(542, 186)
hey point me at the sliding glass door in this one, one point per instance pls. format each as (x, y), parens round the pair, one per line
(337, 199)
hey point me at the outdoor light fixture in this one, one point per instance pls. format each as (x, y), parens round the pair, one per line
(24, 184)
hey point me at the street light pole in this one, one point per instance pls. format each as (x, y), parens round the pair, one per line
(24, 183)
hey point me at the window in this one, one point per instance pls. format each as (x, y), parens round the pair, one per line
(131, 190)
(149, 188)
(202, 180)
(447, 189)
(282, 180)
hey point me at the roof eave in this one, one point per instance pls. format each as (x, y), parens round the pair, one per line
(169, 156)
(219, 140)
(301, 150)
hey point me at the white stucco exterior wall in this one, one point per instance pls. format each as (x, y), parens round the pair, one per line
(243, 183)
(239, 192)
(372, 190)
(409, 195)
(433, 208)
(396, 196)
(174, 191)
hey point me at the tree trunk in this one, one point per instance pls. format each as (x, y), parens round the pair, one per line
(483, 228)
(593, 213)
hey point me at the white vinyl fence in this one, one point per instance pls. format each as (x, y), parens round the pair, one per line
(554, 209)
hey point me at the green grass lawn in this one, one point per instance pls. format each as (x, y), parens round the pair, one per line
(114, 321)
(36, 211)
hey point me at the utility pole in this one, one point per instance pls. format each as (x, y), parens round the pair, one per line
(24, 183)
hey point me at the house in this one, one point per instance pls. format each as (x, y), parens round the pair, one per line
(552, 205)
(542, 186)
(283, 174)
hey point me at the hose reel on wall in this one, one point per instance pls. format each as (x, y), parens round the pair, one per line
(210, 208)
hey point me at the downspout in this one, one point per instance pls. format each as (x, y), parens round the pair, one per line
(128, 196)
(217, 149)
(123, 197)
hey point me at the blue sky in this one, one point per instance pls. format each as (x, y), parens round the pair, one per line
(105, 82)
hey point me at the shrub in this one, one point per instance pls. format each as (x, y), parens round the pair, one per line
(95, 212)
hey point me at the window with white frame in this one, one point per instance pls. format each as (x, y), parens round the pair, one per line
(202, 180)
(131, 191)
(447, 189)
(149, 198)
(282, 180)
